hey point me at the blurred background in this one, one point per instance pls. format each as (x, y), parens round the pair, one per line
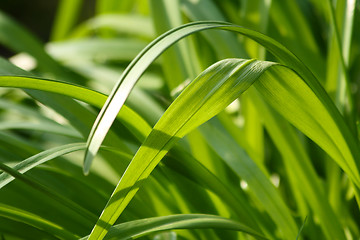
(38, 16)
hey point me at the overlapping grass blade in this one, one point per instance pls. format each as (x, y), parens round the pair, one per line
(131, 76)
(188, 166)
(129, 117)
(144, 59)
(42, 127)
(258, 182)
(143, 227)
(216, 88)
(299, 167)
(342, 43)
(210, 164)
(345, 151)
(311, 116)
(178, 61)
(35, 221)
(40, 158)
(63, 201)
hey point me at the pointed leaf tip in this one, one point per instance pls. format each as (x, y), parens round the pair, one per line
(87, 161)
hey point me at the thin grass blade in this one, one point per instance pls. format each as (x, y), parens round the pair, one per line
(35, 221)
(143, 227)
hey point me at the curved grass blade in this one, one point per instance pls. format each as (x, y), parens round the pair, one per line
(346, 143)
(293, 98)
(209, 11)
(86, 214)
(25, 217)
(127, 81)
(47, 127)
(40, 158)
(206, 96)
(211, 92)
(143, 227)
(154, 49)
(129, 118)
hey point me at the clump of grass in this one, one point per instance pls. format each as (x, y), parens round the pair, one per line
(182, 120)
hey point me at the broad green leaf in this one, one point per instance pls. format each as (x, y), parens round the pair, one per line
(143, 227)
(35, 221)
(201, 151)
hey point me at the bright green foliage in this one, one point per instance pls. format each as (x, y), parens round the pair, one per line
(223, 120)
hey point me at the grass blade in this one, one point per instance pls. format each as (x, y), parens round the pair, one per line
(264, 191)
(231, 76)
(66, 16)
(129, 117)
(136, 68)
(40, 158)
(143, 227)
(35, 221)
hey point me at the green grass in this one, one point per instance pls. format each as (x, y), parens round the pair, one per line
(182, 120)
